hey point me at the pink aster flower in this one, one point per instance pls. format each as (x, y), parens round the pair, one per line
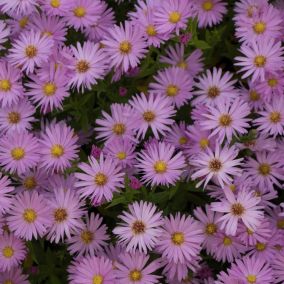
(171, 16)
(160, 165)
(12, 252)
(19, 151)
(30, 51)
(55, 7)
(51, 26)
(227, 119)
(249, 8)
(67, 211)
(214, 87)
(5, 193)
(244, 207)
(82, 13)
(209, 12)
(87, 65)
(154, 111)
(278, 267)
(17, 117)
(10, 84)
(18, 7)
(14, 275)
(266, 170)
(271, 120)
(259, 58)
(29, 216)
(4, 33)
(265, 25)
(91, 269)
(175, 56)
(135, 268)
(119, 124)
(173, 83)
(218, 165)
(125, 46)
(100, 179)
(49, 92)
(141, 227)
(181, 238)
(91, 238)
(58, 147)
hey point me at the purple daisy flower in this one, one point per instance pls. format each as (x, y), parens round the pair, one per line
(10, 84)
(19, 151)
(12, 252)
(5, 193)
(125, 46)
(18, 7)
(91, 239)
(154, 112)
(141, 227)
(135, 268)
(160, 165)
(55, 7)
(29, 216)
(58, 147)
(100, 179)
(174, 83)
(181, 238)
(259, 58)
(30, 51)
(278, 267)
(17, 117)
(67, 211)
(14, 275)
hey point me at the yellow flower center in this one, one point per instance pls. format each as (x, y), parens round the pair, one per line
(79, 12)
(182, 64)
(98, 279)
(174, 17)
(259, 61)
(225, 120)
(275, 117)
(172, 90)
(149, 116)
(121, 155)
(251, 278)
(213, 92)
(57, 151)
(151, 30)
(46, 33)
(100, 179)
(160, 167)
(55, 3)
(49, 89)
(87, 237)
(259, 27)
(227, 241)
(237, 209)
(254, 96)
(8, 252)
(211, 229)
(60, 215)
(31, 51)
(82, 66)
(232, 187)
(178, 238)
(280, 224)
(182, 140)
(119, 128)
(215, 165)
(135, 275)
(264, 169)
(30, 183)
(260, 246)
(29, 215)
(272, 82)
(8, 282)
(18, 153)
(250, 232)
(138, 227)
(125, 47)
(23, 22)
(203, 143)
(5, 85)
(14, 117)
(207, 5)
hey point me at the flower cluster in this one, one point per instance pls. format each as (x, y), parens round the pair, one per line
(131, 151)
